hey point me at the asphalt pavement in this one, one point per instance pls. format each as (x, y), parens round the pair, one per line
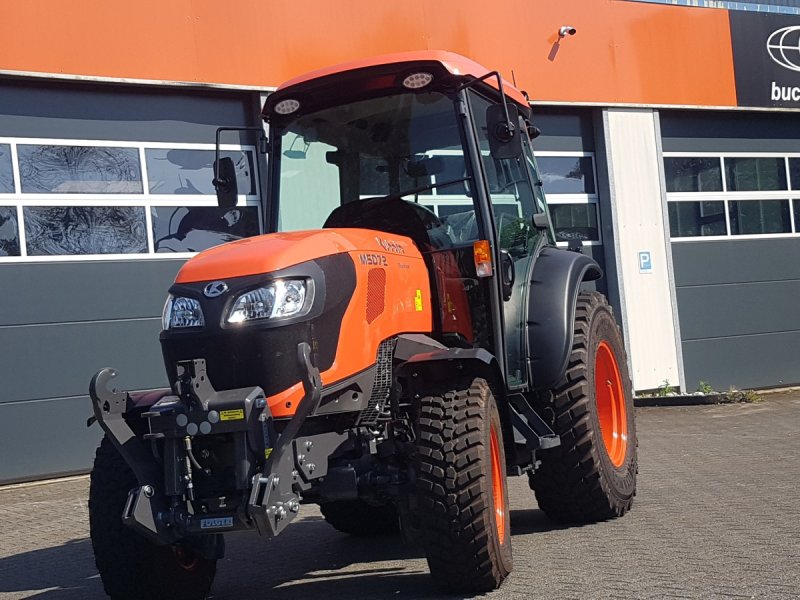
(717, 516)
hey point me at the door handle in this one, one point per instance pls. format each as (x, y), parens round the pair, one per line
(507, 274)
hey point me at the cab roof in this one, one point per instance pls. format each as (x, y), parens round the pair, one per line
(453, 66)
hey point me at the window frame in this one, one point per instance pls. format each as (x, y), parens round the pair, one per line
(790, 195)
(146, 200)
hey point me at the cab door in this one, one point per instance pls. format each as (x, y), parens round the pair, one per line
(515, 195)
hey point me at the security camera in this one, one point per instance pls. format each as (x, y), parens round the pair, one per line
(566, 30)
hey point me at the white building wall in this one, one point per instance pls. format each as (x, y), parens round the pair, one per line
(639, 222)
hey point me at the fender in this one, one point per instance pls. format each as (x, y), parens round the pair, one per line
(555, 283)
(438, 362)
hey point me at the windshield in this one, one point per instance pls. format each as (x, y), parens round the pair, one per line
(403, 146)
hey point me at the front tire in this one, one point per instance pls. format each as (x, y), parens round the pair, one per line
(130, 566)
(591, 476)
(461, 495)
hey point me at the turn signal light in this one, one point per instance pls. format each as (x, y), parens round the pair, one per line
(483, 258)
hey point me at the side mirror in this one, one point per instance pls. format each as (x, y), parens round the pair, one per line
(225, 182)
(540, 220)
(504, 138)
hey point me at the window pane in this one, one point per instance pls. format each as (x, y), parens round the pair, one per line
(178, 171)
(691, 174)
(575, 222)
(566, 174)
(796, 215)
(794, 172)
(6, 172)
(55, 230)
(9, 232)
(79, 169)
(746, 174)
(759, 216)
(182, 229)
(689, 219)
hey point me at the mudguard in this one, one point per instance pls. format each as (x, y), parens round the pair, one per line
(555, 283)
(438, 362)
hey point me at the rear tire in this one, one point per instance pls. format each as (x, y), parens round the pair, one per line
(356, 517)
(130, 566)
(591, 476)
(461, 496)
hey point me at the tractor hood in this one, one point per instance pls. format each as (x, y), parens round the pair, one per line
(277, 251)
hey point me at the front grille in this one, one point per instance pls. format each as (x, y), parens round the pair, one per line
(382, 385)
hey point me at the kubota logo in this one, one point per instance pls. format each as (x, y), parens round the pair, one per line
(215, 288)
(783, 46)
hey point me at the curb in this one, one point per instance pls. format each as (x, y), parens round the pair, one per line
(732, 397)
(684, 400)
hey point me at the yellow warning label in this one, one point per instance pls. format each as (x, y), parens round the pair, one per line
(418, 301)
(231, 415)
(267, 452)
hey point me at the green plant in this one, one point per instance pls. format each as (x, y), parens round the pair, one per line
(705, 387)
(665, 389)
(751, 396)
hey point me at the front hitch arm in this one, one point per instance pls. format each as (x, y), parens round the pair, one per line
(109, 405)
(273, 504)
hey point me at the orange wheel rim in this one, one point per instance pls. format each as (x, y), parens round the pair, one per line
(611, 409)
(498, 491)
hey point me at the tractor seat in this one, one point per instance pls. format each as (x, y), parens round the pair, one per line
(392, 215)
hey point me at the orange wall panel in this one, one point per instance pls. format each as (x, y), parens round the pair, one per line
(624, 52)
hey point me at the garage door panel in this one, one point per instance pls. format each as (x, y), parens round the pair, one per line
(47, 361)
(735, 261)
(45, 438)
(738, 309)
(750, 361)
(90, 291)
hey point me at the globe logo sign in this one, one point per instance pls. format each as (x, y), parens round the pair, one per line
(783, 46)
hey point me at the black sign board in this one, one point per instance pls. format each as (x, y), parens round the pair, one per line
(766, 59)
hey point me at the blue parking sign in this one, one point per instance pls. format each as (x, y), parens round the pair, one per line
(645, 262)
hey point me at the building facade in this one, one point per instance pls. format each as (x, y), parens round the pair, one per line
(670, 147)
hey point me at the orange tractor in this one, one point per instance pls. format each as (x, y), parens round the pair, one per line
(405, 338)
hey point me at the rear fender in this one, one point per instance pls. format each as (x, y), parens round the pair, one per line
(555, 283)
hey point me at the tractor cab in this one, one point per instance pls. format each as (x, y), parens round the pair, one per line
(431, 146)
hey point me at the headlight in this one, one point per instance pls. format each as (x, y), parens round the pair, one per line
(182, 312)
(281, 298)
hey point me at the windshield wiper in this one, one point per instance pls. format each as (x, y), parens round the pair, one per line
(424, 188)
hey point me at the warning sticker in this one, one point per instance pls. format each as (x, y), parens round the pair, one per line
(231, 415)
(418, 301)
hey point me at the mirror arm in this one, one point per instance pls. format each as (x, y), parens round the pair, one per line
(510, 127)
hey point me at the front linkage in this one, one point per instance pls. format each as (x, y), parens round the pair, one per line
(259, 475)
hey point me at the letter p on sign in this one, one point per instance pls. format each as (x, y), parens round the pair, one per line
(645, 262)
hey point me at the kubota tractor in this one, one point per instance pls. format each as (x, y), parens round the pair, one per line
(406, 337)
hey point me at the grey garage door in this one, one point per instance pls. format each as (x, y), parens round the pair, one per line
(104, 192)
(733, 190)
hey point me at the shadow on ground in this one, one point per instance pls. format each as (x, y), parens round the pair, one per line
(310, 560)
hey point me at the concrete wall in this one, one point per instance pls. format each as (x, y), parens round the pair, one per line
(638, 222)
